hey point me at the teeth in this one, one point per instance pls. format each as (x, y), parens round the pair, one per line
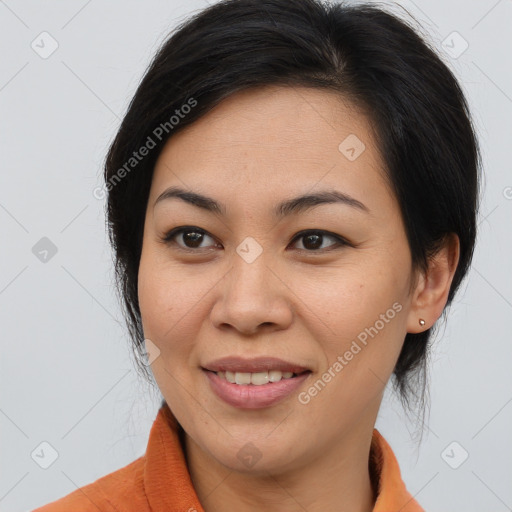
(257, 379)
(242, 378)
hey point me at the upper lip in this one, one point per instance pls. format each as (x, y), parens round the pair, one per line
(253, 365)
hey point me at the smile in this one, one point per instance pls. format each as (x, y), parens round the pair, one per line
(254, 390)
(257, 379)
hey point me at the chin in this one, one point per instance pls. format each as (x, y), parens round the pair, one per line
(258, 458)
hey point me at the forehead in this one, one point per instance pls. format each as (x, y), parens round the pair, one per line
(266, 138)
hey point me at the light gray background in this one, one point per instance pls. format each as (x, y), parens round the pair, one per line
(67, 376)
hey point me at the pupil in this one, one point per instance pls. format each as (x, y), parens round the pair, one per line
(194, 239)
(316, 238)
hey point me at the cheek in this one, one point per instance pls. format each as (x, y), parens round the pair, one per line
(351, 299)
(360, 325)
(172, 303)
(359, 351)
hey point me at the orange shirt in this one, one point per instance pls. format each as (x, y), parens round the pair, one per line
(159, 481)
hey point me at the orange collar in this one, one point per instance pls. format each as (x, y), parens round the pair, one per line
(392, 493)
(168, 485)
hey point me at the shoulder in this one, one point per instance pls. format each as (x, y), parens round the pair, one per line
(120, 490)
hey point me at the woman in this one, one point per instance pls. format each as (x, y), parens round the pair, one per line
(292, 201)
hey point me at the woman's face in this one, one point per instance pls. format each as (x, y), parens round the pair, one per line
(240, 281)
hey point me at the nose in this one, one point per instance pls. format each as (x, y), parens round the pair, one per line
(252, 297)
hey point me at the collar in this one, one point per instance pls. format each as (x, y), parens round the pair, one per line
(168, 485)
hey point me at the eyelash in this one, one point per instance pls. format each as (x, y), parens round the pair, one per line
(173, 233)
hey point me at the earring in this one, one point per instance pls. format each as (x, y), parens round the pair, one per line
(422, 322)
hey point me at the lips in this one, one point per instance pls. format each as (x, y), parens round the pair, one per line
(251, 396)
(253, 365)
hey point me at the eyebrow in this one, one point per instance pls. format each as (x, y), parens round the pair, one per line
(292, 206)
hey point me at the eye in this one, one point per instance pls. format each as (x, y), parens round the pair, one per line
(313, 239)
(192, 237)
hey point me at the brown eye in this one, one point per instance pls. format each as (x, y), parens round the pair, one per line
(313, 240)
(191, 237)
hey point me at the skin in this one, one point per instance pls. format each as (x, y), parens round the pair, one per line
(297, 301)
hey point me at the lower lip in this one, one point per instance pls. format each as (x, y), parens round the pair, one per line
(249, 396)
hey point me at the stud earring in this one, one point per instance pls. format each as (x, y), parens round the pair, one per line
(422, 322)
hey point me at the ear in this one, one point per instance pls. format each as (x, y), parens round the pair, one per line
(433, 286)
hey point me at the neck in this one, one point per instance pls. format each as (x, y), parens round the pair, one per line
(337, 479)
